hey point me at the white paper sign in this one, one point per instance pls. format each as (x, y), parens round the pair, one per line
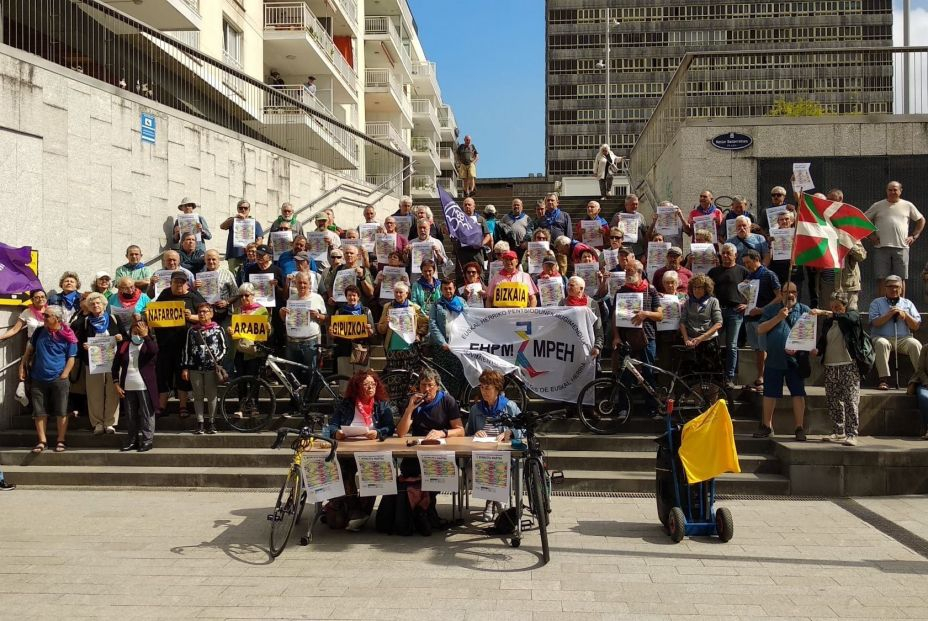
(667, 222)
(495, 268)
(703, 258)
(208, 286)
(391, 276)
(124, 315)
(782, 244)
(490, 475)
(536, 256)
(187, 223)
(802, 335)
(420, 252)
(616, 282)
(299, 318)
(439, 471)
(343, 278)
(629, 222)
(243, 232)
(281, 242)
(671, 320)
(403, 225)
(730, 225)
(264, 290)
(383, 245)
(609, 259)
(471, 294)
(323, 479)
(368, 234)
(589, 272)
(101, 351)
(749, 289)
(550, 291)
(707, 224)
(802, 177)
(591, 233)
(403, 323)
(164, 281)
(657, 257)
(376, 473)
(772, 213)
(317, 247)
(627, 305)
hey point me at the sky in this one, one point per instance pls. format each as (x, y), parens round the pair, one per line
(491, 70)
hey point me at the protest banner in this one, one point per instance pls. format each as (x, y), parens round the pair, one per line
(251, 327)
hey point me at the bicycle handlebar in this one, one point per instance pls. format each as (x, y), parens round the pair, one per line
(304, 434)
(527, 420)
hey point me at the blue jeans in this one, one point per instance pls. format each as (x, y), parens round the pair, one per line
(731, 322)
(921, 393)
(303, 352)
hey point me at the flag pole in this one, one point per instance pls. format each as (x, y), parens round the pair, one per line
(792, 254)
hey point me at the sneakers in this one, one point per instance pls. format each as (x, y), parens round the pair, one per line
(98, 430)
(6, 487)
(850, 441)
(356, 524)
(800, 434)
(835, 437)
(198, 430)
(763, 431)
(210, 428)
(110, 429)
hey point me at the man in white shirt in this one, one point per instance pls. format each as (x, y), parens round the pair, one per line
(892, 239)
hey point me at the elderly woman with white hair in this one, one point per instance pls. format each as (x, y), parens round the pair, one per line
(102, 399)
(400, 353)
(606, 165)
(576, 296)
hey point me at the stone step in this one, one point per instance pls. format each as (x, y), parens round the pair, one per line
(639, 461)
(634, 481)
(146, 476)
(163, 439)
(233, 458)
(633, 442)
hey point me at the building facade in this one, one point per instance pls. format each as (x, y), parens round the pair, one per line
(641, 42)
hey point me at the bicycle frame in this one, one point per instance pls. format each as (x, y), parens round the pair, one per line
(630, 364)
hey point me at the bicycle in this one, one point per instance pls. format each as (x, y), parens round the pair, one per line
(605, 404)
(250, 401)
(401, 383)
(535, 477)
(291, 498)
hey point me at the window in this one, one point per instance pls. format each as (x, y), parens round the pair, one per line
(231, 43)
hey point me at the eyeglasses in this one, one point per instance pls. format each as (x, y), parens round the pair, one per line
(775, 195)
(244, 208)
(48, 315)
(337, 256)
(619, 237)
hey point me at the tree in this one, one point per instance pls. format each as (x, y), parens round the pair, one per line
(801, 107)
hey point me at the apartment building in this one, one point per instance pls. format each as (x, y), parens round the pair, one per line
(634, 47)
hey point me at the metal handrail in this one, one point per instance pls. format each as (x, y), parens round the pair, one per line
(386, 186)
(10, 364)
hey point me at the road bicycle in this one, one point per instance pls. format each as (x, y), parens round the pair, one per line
(402, 383)
(605, 404)
(250, 401)
(534, 480)
(292, 495)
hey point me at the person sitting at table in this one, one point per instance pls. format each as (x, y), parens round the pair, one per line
(431, 412)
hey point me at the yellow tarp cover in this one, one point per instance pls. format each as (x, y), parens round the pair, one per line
(707, 446)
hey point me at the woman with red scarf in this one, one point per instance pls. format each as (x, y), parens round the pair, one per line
(129, 302)
(31, 318)
(577, 297)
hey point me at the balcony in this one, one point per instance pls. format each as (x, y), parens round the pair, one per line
(425, 114)
(446, 157)
(425, 154)
(296, 43)
(423, 186)
(163, 14)
(384, 131)
(383, 93)
(380, 30)
(449, 185)
(447, 123)
(425, 80)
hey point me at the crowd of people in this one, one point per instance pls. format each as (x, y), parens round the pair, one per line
(733, 286)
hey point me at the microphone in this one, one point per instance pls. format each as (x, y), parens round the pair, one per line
(893, 302)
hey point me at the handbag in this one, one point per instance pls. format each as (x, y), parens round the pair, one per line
(614, 165)
(221, 374)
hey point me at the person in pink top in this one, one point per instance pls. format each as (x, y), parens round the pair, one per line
(511, 273)
(706, 207)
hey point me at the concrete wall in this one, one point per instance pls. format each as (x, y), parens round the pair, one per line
(78, 185)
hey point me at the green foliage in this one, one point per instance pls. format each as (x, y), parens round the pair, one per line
(801, 107)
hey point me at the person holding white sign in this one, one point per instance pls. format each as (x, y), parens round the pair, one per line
(203, 353)
(128, 301)
(235, 254)
(425, 290)
(781, 245)
(400, 352)
(102, 400)
(700, 322)
(783, 364)
(363, 279)
(576, 296)
(768, 292)
(640, 235)
(191, 222)
(170, 262)
(674, 263)
(474, 291)
(512, 274)
(423, 229)
(595, 229)
(303, 349)
(739, 207)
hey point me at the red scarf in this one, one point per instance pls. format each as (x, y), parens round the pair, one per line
(63, 333)
(581, 301)
(366, 410)
(640, 287)
(250, 308)
(130, 302)
(206, 326)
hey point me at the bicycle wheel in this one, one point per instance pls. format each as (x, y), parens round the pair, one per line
(704, 390)
(512, 388)
(536, 498)
(330, 393)
(286, 511)
(399, 383)
(248, 403)
(604, 405)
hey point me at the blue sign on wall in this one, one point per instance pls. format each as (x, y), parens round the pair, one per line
(732, 141)
(148, 128)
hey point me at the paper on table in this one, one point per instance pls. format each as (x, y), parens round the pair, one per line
(264, 290)
(485, 440)
(243, 232)
(352, 431)
(323, 479)
(627, 306)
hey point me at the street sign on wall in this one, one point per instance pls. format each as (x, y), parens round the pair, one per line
(732, 141)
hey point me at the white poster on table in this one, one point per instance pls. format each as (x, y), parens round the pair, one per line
(610, 259)
(802, 335)
(802, 177)
(439, 471)
(536, 256)
(657, 257)
(391, 276)
(323, 479)
(208, 286)
(707, 224)
(772, 214)
(164, 281)
(627, 305)
(782, 244)
(667, 222)
(317, 247)
(243, 232)
(264, 290)
(616, 282)
(299, 319)
(591, 233)
(343, 278)
(589, 272)
(420, 251)
(101, 351)
(188, 223)
(629, 222)
(490, 475)
(376, 473)
(384, 244)
(281, 242)
(671, 305)
(403, 225)
(703, 258)
(368, 234)
(749, 289)
(403, 323)
(550, 291)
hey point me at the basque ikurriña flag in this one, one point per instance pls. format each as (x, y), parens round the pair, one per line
(15, 274)
(826, 231)
(461, 227)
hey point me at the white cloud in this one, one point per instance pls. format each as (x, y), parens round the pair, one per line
(918, 26)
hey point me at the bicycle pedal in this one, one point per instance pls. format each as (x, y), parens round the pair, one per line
(270, 517)
(557, 476)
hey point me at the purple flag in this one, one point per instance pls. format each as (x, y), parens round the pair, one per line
(462, 228)
(15, 274)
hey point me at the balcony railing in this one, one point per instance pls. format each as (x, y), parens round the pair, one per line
(193, 4)
(384, 78)
(289, 16)
(422, 144)
(424, 107)
(384, 130)
(350, 9)
(383, 25)
(445, 153)
(423, 184)
(446, 118)
(300, 94)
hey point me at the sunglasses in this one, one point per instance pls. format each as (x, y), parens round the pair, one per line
(471, 272)
(47, 315)
(615, 237)
(775, 195)
(337, 256)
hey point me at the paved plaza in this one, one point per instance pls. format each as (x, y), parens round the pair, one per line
(93, 553)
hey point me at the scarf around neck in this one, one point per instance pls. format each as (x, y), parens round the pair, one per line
(550, 219)
(581, 301)
(70, 300)
(428, 286)
(348, 309)
(129, 302)
(638, 287)
(455, 304)
(366, 410)
(64, 333)
(425, 408)
(100, 324)
(248, 308)
(203, 327)
(497, 409)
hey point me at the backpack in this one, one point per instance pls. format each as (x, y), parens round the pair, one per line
(863, 354)
(505, 522)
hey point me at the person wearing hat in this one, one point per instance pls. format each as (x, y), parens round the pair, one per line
(745, 240)
(235, 254)
(287, 221)
(102, 284)
(275, 80)
(550, 271)
(512, 274)
(489, 214)
(200, 229)
(674, 263)
(331, 238)
(893, 322)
